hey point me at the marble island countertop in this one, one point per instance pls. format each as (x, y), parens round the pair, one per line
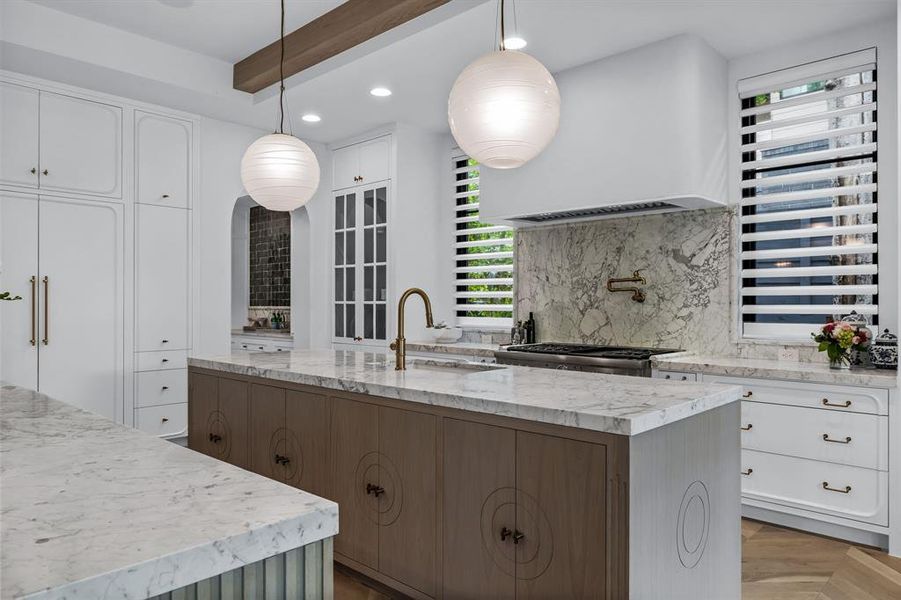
(94, 509)
(815, 372)
(608, 403)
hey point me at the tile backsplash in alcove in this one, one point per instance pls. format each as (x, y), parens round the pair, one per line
(562, 273)
(270, 258)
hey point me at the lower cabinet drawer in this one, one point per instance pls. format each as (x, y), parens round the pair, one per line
(854, 439)
(164, 359)
(156, 388)
(676, 375)
(165, 421)
(838, 398)
(850, 492)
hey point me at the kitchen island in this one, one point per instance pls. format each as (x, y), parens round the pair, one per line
(93, 509)
(463, 480)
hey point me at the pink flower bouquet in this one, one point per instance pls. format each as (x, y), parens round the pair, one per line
(838, 338)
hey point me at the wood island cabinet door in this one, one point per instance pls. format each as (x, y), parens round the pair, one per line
(407, 508)
(232, 423)
(267, 431)
(203, 404)
(355, 445)
(307, 442)
(561, 517)
(479, 504)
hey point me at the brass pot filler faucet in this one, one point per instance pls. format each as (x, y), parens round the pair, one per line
(399, 345)
(637, 294)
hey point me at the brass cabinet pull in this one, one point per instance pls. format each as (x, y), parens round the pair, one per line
(748, 428)
(748, 472)
(747, 395)
(846, 404)
(832, 489)
(34, 318)
(46, 339)
(518, 536)
(826, 438)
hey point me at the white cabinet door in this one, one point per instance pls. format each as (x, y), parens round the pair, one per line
(162, 160)
(81, 146)
(19, 135)
(81, 304)
(161, 278)
(346, 162)
(18, 276)
(375, 160)
(360, 266)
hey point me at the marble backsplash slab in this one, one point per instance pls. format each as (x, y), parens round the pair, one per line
(562, 273)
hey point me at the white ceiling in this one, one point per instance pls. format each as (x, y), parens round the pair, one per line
(225, 29)
(421, 68)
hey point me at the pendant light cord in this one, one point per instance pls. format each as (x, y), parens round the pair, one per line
(281, 76)
(503, 35)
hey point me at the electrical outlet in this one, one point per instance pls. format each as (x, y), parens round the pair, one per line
(788, 354)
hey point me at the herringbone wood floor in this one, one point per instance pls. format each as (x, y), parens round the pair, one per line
(777, 564)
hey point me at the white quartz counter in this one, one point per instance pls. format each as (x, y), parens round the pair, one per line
(816, 372)
(608, 403)
(93, 509)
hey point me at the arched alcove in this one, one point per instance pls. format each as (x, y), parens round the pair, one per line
(300, 270)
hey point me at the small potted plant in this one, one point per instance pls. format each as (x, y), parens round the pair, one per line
(838, 339)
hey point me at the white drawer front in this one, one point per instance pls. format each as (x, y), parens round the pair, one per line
(157, 361)
(165, 421)
(676, 375)
(854, 439)
(156, 388)
(827, 397)
(800, 482)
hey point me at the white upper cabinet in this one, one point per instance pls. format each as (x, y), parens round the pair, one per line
(363, 163)
(81, 146)
(161, 278)
(19, 159)
(162, 160)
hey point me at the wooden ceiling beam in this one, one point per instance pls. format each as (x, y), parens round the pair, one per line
(342, 28)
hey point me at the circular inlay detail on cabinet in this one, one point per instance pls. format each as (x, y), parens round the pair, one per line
(517, 511)
(693, 525)
(217, 425)
(384, 507)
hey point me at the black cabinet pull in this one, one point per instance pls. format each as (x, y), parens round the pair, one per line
(748, 428)
(375, 490)
(518, 536)
(165, 360)
(505, 533)
(165, 387)
(215, 438)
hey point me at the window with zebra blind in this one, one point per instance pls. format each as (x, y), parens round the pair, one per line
(483, 272)
(809, 210)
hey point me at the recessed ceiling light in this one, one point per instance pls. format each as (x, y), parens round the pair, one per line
(311, 118)
(514, 43)
(381, 92)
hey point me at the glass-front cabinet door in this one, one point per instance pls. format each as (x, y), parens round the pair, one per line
(361, 266)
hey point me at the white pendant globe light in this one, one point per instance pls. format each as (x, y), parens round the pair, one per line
(279, 171)
(504, 108)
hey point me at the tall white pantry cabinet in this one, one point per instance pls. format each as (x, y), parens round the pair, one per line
(95, 236)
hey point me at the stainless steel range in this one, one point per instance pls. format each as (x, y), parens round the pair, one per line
(617, 360)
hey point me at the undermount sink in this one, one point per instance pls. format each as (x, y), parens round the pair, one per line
(461, 367)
